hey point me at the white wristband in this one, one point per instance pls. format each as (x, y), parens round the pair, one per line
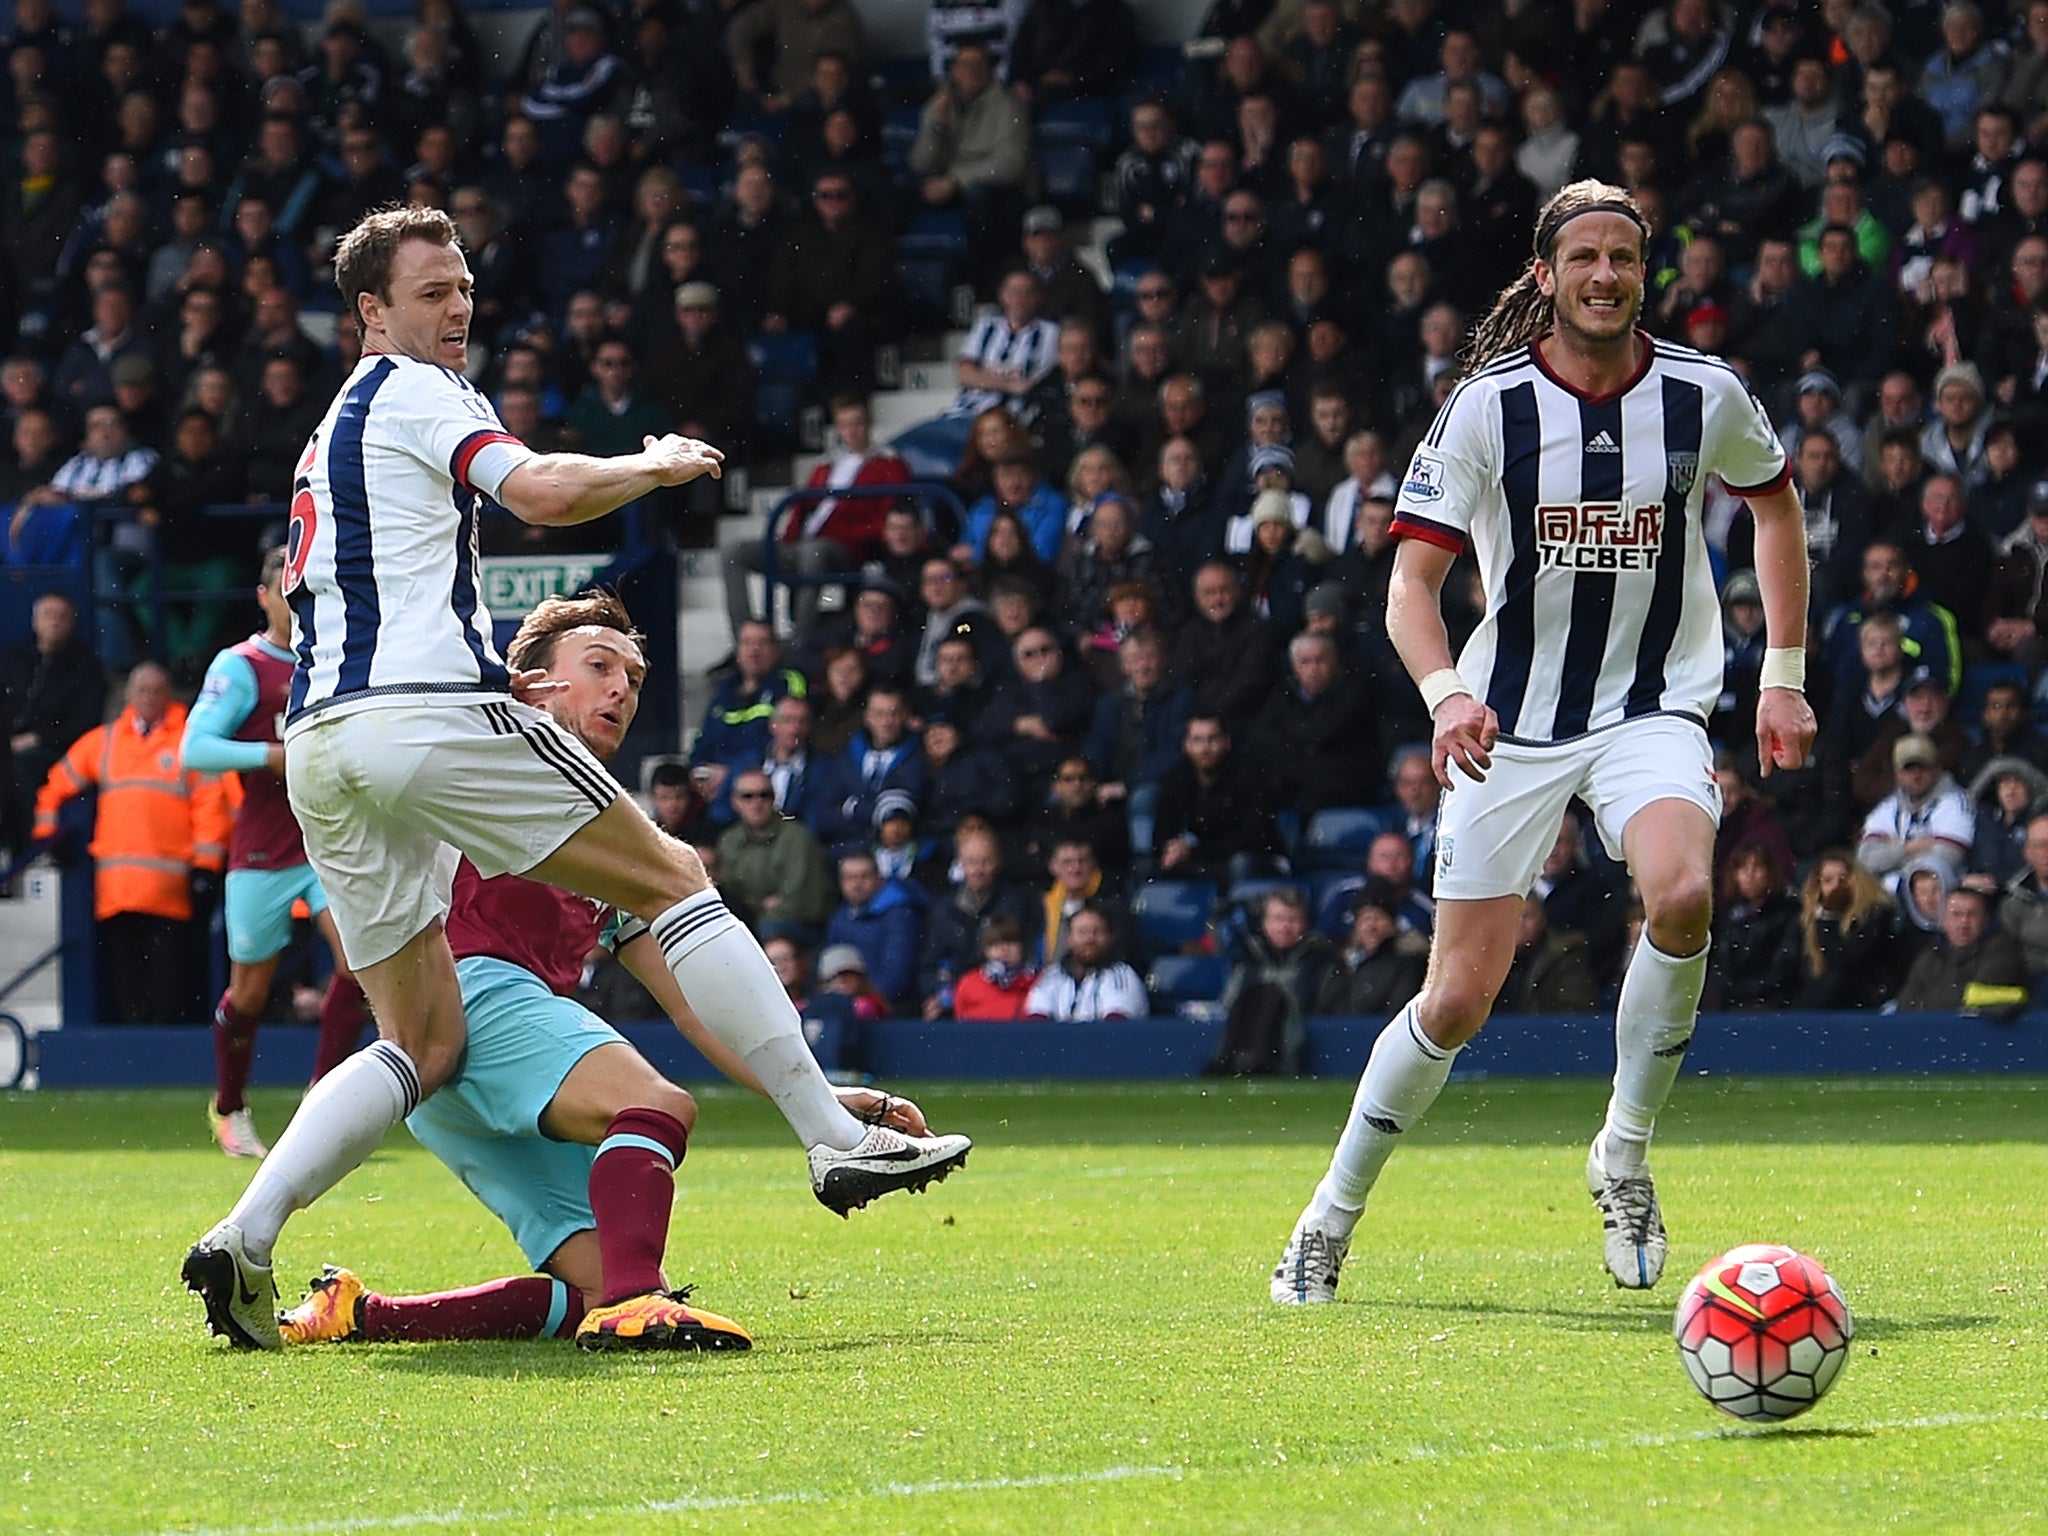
(1440, 685)
(1785, 667)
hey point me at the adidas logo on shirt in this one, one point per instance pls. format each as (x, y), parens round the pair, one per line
(1603, 443)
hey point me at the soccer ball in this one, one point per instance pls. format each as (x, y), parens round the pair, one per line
(1763, 1332)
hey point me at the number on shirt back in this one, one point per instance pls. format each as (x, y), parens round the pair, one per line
(305, 518)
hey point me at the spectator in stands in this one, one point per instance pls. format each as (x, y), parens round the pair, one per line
(52, 690)
(1008, 351)
(706, 380)
(2023, 910)
(1179, 518)
(996, 989)
(1927, 633)
(976, 893)
(959, 689)
(1754, 917)
(1009, 564)
(973, 152)
(1069, 292)
(951, 609)
(1023, 492)
(873, 627)
(771, 861)
(1041, 713)
(900, 554)
(1869, 700)
(1272, 989)
(1135, 739)
(827, 534)
(735, 727)
(1817, 407)
(585, 79)
(843, 970)
(883, 921)
(1841, 947)
(159, 841)
(1079, 881)
(1285, 562)
(1085, 982)
(611, 416)
(1381, 964)
(84, 375)
(1927, 817)
(1975, 967)
(1069, 48)
(1224, 651)
(1107, 553)
(1923, 709)
(1759, 321)
(2014, 595)
(2006, 791)
(1215, 818)
(774, 46)
(1211, 334)
(1152, 178)
(195, 551)
(883, 755)
(2004, 730)
(279, 420)
(1551, 972)
(1578, 898)
(839, 702)
(1844, 320)
(1073, 811)
(1313, 739)
(833, 280)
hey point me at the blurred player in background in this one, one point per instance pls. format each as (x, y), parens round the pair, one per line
(235, 728)
(409, 745)
(559, 1126)
(1572, 459)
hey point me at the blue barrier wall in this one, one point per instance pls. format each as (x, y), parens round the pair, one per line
(1814, 1044)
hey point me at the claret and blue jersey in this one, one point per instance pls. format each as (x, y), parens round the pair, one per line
(1584, 515)
(382, 566)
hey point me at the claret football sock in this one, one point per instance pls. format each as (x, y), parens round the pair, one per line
(234, 1051)
(342, 1012)
(523, 1307)
(1402, 1078)
(632, 1191)
(338, 1124)
(729, 982)
(1653, 1025)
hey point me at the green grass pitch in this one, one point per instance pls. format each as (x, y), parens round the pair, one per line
(1072, 1335)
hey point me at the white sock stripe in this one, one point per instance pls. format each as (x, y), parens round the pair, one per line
(670, 931)
(1423, 1043)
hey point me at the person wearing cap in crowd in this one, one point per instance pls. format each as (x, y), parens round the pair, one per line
(1923, 711)
(843, 971)
(137, 397)
(2016, 600)
(883, 920)
(1952, 557)
(873, 627)
(1070, 290)
(1705, 327)
(1927, 816)
(1209, 336)
(1817, 405)
(1380, 966)
(1283, 562)
(899, 853)
(705, 379)
(1742, 646)
(772, 863)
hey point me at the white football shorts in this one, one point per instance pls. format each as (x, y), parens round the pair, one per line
(390, 796)
(1493, 836)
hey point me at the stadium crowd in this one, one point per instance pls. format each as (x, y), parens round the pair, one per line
(1153, 654)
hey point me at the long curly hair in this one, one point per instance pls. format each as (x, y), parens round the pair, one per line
(1523, 311)
(1866, 897)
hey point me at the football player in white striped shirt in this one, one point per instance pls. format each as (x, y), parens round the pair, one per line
(408, 743)
(1572, 458)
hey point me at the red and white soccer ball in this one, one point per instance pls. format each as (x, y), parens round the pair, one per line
(1763, 1332)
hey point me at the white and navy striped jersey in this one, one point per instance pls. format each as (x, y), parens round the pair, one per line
(1032, 352)
(1584, 514)
(381, 564)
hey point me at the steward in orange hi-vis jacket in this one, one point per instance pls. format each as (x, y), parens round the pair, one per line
(155, 824)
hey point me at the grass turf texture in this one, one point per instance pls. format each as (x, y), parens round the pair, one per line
(1071, 1335)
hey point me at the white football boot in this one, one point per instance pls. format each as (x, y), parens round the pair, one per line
(1307, 1272)
(885, 1161)
(235, 1131)
(240, 1294)
(1634, 1225)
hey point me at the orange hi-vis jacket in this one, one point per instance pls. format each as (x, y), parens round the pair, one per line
(155, 824)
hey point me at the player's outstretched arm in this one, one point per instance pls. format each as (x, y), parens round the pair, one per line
(1465, 729)
(559, 489)
(1785, 726)
(642, 957)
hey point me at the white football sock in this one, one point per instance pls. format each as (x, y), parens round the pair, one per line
(1653, 1025)
(339, 1123)
(1402, 1078)
(735, 991)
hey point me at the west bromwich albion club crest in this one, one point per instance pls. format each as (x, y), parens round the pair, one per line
(1685, 468)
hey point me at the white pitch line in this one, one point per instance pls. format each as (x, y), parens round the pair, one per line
(707, 1502)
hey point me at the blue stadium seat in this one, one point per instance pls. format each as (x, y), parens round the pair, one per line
(1068, 171)
(926, 282)
(899, 132)
(700, 181)
(1249, 892)
(903, 77)
(784, 367)
(1176, 979)
(1158, 71)
(1338, 837)
(935, 229)
(931, 450)
(1078, 122)
(752, 125)
(1170, 913)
